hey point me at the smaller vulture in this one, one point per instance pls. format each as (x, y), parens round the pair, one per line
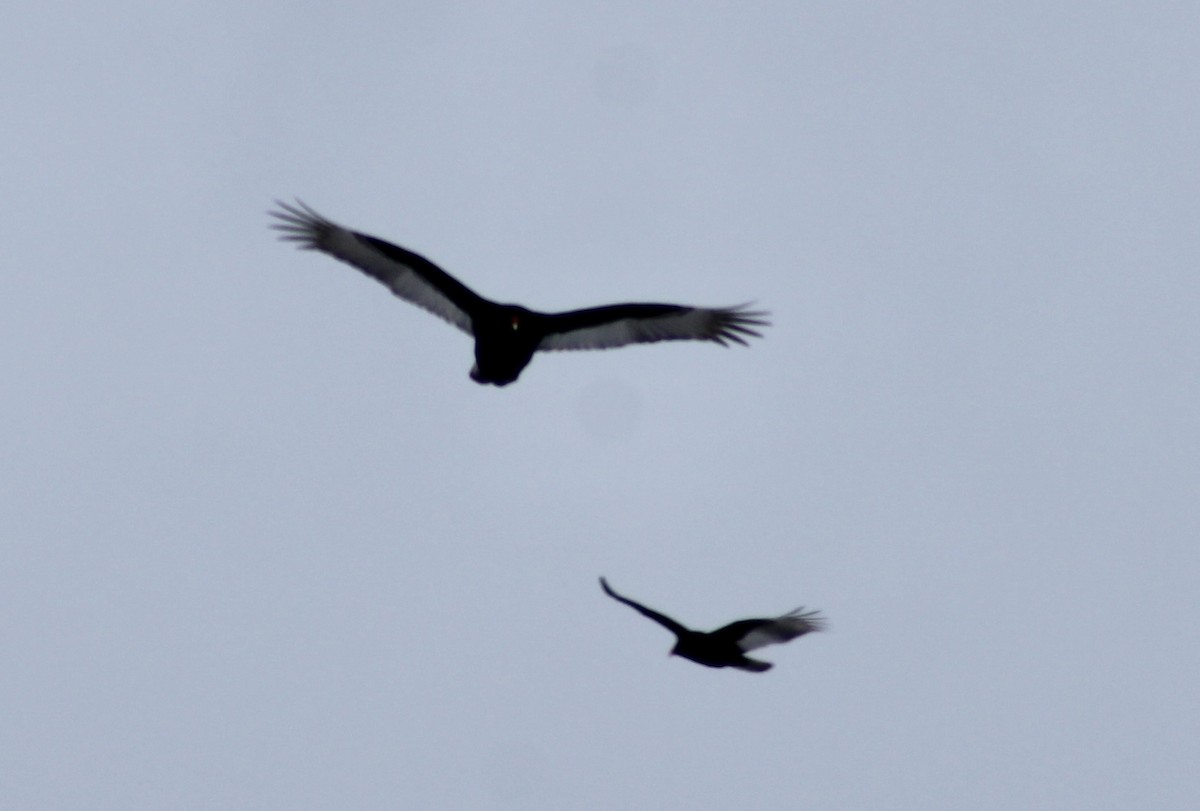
(727, 646)
(507, 335)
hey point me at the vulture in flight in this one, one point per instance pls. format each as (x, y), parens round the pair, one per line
(507, 335)
(727, 646)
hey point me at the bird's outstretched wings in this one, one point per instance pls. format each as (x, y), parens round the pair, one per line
(622, 324)
(663, 620)
(751, 634)
(410, 276)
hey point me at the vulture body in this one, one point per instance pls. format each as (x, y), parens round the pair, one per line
(727, 646)
(507, 335)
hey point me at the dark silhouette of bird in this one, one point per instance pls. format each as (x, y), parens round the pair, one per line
(507, 335)
(727, 646)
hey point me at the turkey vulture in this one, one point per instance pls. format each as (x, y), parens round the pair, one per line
(507, 335)
(727, 646)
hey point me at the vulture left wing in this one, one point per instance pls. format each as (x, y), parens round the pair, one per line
(662, 619)
(622, 324)
(410, 276)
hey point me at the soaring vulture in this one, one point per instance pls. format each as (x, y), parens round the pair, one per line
(507, 335)
(727, 646)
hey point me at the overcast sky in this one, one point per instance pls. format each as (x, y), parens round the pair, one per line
(263, 544)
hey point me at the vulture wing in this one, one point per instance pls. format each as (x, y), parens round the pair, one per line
(751, 634)
(663, 620)
(622, 324)
(410, 276)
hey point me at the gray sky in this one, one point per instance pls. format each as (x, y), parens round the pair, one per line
(263, 544)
